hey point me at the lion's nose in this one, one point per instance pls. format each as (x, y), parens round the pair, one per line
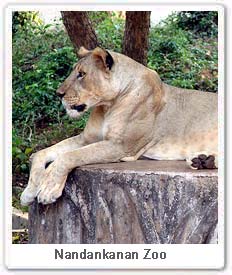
(60, 92)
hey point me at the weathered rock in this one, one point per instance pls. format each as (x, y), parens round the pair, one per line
(135, 202)
(19, 219)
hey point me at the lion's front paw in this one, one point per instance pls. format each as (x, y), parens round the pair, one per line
(30, 193)
(49, 191)
(52, 185)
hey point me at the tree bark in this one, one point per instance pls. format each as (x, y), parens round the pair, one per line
(79, 29)
(135, 40)
(131, 202)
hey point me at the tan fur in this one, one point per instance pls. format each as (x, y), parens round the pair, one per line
(133, 114)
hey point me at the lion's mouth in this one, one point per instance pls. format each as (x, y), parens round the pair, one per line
(79, 108)
(74, 110)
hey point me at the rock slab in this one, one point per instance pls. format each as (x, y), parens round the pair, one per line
(19, 219)
(131, 202)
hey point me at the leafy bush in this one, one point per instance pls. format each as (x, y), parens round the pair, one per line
(181, 58)
(109, 31)
(20, 153)
(34, 98)
(203, 23)
(42, 57)
(24, 20)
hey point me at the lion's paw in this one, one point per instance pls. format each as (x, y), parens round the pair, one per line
(48, 195)
(51, 186)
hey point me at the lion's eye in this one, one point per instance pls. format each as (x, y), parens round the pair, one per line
(80, 75)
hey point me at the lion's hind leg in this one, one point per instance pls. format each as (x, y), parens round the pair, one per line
(202, 160)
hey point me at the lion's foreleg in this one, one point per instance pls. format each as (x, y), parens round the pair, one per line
(56, 174)
(40, 161)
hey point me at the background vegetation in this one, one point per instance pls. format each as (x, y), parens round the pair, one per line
(182, 49)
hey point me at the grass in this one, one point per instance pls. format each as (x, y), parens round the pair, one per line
(20, 237)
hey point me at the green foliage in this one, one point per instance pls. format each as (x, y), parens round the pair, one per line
(202, 23)
(24, 20)
(34, 97)
(109, 29)
(20, 237)
(16, 193)
(97, 18)
(181, 58)
(20, 153)
(30, 43)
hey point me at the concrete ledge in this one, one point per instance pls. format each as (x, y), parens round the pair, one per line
(135, 202)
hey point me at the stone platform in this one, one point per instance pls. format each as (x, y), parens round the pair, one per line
(144, 201)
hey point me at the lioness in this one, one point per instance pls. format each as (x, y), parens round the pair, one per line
(133, 114)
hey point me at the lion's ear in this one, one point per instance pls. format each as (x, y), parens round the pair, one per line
(83, 52)
(103, 58)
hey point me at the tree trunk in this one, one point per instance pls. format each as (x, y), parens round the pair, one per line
(79, 29)
(160, 202)
(135, 40)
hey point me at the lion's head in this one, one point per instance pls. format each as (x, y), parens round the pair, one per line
(90, 82)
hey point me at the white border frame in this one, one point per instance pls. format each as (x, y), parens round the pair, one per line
(208, 256)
